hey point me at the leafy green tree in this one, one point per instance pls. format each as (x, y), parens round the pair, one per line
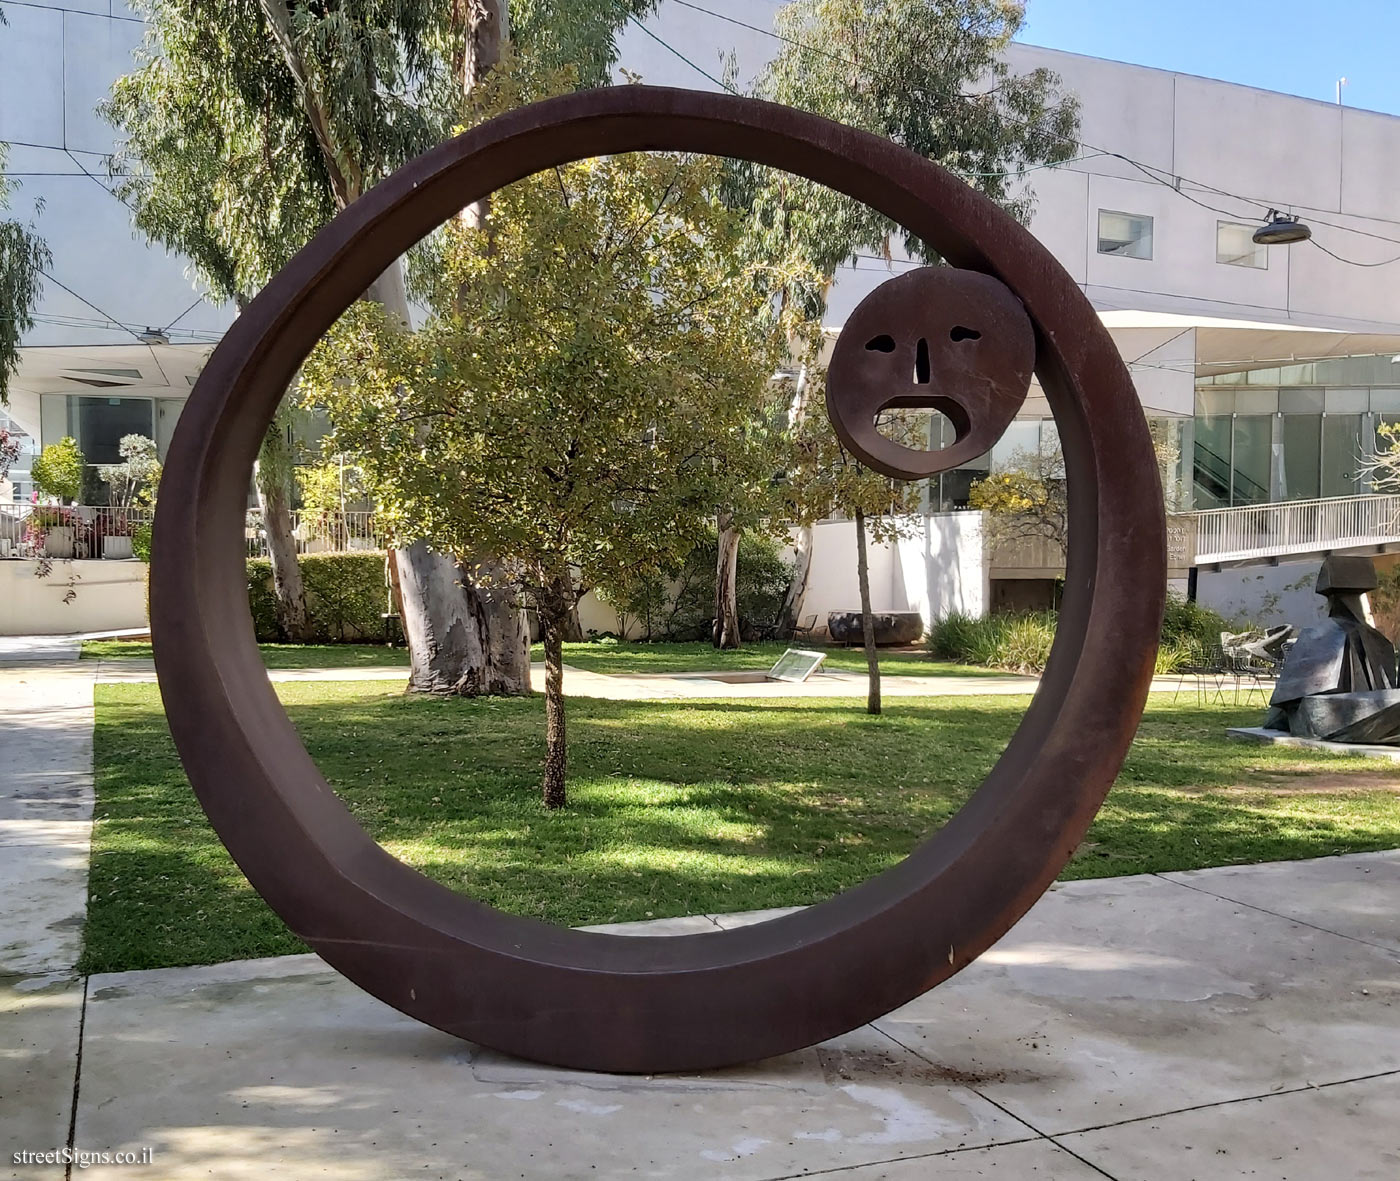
(24, 256)
(591, 376)
(137, 473)
(57, 470)
(927, 74)
(251, 122)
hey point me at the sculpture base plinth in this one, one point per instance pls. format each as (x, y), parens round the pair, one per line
(1282, 738)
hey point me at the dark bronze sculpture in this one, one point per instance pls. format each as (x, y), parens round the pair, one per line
(1338, 680)
(608, 1002)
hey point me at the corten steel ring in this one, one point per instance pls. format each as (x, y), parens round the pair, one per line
(608, 1002)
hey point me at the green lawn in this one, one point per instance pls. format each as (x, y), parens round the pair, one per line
(677, 807)
(275, 656)
(609, 658)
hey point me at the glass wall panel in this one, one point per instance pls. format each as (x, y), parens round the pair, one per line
(1211, 461)
(1341, 454)
(98, 424)
(1300, 463)
(1300, 401)
(1253, 451)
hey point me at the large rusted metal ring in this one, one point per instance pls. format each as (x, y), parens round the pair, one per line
(607, 1002)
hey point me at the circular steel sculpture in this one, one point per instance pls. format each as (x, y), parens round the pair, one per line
(608, 1002)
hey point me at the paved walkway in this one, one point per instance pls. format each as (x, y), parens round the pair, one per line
(1204, 1026)
(675, 686)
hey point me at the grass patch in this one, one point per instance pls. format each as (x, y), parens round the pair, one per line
(677, 807)
(275, 656)
(610, 658)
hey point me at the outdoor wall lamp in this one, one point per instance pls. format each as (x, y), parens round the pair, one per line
(1282, 230)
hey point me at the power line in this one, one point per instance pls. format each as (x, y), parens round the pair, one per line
(1146, 169)
(110, 319)
(679, 54)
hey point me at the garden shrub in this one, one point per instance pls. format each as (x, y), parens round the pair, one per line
(345, 596)
(682, 607)
(1021, 642)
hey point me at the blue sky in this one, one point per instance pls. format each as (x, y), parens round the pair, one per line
(1289, 45)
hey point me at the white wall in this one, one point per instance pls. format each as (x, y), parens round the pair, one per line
(57, 62)
(1264, 594)
(937, 567)
(1338, 164)
(107, 596)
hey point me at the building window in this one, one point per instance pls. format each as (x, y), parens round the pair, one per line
(1235, 246)
(1127, 235)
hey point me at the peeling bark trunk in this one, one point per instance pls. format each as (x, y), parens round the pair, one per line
(867, 623)
(272, 477)
(465, 629)
(801, 573)
(556, 750)
(726, 627)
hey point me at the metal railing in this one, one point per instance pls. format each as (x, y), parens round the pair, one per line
(90, 532)
(319, 532)
(1252, 532)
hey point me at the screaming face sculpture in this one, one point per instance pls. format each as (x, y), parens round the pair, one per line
(610, 1002)
(936, 338)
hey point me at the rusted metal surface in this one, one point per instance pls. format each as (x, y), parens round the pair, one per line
(607, 1002)
(938, 338)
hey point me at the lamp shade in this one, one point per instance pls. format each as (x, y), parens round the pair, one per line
(1281, 230)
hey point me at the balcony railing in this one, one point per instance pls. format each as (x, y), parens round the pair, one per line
(1252, 532)
(91, 532)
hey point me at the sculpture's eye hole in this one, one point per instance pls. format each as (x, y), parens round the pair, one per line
(881, 344)
(923, 370)
(960, 333)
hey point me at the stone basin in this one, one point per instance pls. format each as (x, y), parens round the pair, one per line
(891, 627)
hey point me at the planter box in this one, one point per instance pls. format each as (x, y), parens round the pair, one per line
(58, 541)
(116, 547)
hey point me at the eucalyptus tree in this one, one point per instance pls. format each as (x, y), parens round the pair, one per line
(24, 256)
(249, 123)
(927, 74)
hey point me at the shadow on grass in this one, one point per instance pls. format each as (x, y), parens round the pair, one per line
(676, 807)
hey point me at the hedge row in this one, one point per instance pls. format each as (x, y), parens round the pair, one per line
(345, 596)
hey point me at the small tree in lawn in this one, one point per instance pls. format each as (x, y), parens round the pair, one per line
(594, 372)
(824, 479)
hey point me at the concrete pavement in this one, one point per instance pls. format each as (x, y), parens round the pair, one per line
(1203, 1026)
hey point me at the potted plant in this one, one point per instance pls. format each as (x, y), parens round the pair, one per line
(52, 531)
(127, 482)
(57, 472)
(116, 531)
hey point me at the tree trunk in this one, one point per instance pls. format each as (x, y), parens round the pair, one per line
(726, 628)
(465, 626)
(801, 572)
(273, 479)
(867, 623)
(553, 622)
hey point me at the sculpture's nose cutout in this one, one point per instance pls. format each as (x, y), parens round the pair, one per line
(922, 368)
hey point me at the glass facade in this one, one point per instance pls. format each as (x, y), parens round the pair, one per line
(1293, 432)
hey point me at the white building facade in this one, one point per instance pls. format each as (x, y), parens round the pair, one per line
(1272, 366)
